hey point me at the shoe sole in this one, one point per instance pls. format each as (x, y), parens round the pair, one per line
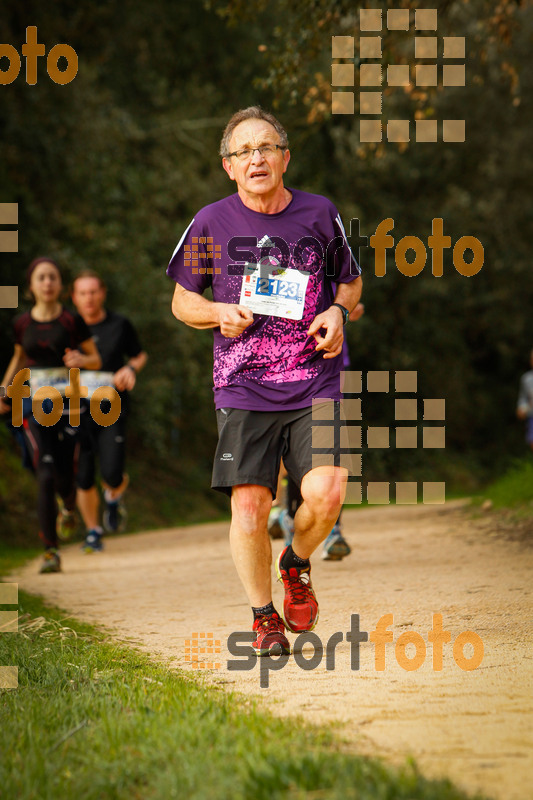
(122, 521)
(47, 571)
(275, 650)
(275, 531)
(331, 557)
(336, 552)
(67, 533)
(287, 625)
(66, 537)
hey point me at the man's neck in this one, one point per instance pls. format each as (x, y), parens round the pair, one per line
(95, 318)
(267, 204)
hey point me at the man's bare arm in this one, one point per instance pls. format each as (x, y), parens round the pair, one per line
(349, 294)
(87, 357)
(199, 312)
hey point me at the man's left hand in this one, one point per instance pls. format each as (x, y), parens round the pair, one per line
(331, 321)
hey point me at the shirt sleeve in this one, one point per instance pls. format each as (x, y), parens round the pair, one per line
(341, 265)
(191, 265)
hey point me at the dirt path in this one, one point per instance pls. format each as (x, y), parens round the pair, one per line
(472, 726)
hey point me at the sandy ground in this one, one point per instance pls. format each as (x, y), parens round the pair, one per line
(474, 726)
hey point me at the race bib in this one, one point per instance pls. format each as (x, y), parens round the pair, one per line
(56, 377)
(93, 379)
(275, 292)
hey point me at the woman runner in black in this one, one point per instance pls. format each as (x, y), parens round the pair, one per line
(49, 337)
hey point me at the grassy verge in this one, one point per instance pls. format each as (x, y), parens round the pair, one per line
(14, 557)
(93, 719)
(505, 507)
(513, 489)
(156, 499)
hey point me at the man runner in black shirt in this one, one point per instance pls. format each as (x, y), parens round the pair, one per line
(115, 337)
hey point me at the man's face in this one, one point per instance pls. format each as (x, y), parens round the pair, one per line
(261, 175)
(88, 296)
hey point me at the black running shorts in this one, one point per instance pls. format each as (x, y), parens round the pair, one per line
(251, 445)
(108, 442)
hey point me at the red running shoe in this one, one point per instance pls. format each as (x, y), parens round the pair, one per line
(271, 639)
(300, 607)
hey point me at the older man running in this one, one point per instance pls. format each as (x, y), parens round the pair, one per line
(284, 282)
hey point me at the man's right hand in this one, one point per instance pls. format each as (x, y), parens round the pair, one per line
(234, 319)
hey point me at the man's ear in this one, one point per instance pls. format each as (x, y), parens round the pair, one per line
(226, 163)
(286, 159)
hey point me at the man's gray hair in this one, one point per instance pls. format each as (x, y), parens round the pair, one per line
(252, 112)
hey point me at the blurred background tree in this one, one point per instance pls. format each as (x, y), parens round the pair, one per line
(109, 169)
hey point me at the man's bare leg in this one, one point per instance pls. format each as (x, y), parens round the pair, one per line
(323, 490)
(250, 542)
(252, 554)
(88, 502)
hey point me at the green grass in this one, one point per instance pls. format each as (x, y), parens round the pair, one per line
(154, 500)
(14, 557)
(93, 719)
(513, 489)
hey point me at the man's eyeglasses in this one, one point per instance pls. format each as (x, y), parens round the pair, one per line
(264, 150)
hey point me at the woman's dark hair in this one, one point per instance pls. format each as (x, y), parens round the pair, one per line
(28, 294)
(40, 260)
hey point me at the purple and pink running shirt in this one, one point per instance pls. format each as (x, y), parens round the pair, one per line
(273, 364)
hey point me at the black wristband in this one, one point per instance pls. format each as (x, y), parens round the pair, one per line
(345, 312)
